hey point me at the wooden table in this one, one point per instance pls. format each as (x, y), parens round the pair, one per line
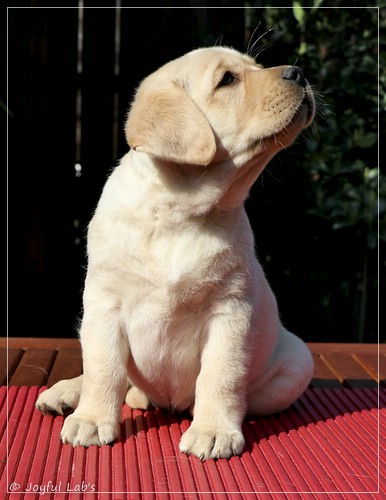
(41, 362)
(331, 443)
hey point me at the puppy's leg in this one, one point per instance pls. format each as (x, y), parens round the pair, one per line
(287, 377)
(220, 402)
(61, 397)
(97, 417)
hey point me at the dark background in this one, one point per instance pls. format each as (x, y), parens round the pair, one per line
(71, 74)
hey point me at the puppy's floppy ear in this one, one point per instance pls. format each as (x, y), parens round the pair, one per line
(165, 122)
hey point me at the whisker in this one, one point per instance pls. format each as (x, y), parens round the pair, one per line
(218, 41)
(254, 51)
(260, 49)
(268, 171)
(323, 109)
(277, 142)
(249, 48)
(201, 176)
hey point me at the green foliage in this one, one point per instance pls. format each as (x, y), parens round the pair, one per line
(339, 50)
(339, 47)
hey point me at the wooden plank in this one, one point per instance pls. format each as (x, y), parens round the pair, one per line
(320, 347)
(3, 365)
(347, 370)
(369, 362)
(37, 342)
(34, 368)
(323, 376)
(67, 364)
(334, 363)
(10, 359)
(69, 343)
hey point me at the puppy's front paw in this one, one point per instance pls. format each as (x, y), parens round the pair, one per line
(80, 430)
(212, 443)
(61, 399)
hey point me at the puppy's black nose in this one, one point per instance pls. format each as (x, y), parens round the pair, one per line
(295, 73)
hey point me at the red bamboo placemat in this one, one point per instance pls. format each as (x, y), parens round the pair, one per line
(331, 443)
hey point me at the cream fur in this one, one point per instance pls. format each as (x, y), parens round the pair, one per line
(177, 310)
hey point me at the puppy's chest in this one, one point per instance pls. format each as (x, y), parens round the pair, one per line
(157, 260)
(182, 258)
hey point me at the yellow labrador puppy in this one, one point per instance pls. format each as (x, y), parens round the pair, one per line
(177, 310)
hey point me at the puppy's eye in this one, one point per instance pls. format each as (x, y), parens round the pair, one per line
(227, 79)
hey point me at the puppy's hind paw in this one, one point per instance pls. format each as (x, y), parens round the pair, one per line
(61, 399)
(212, 443)
(137, 399)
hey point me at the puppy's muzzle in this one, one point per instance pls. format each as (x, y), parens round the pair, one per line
(296, 75)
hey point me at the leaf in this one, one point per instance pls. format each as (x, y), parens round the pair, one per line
(317, 4)
(298, 12)
(367, 140)
(302, 48)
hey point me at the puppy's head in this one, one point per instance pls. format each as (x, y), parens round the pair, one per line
(216, 103)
